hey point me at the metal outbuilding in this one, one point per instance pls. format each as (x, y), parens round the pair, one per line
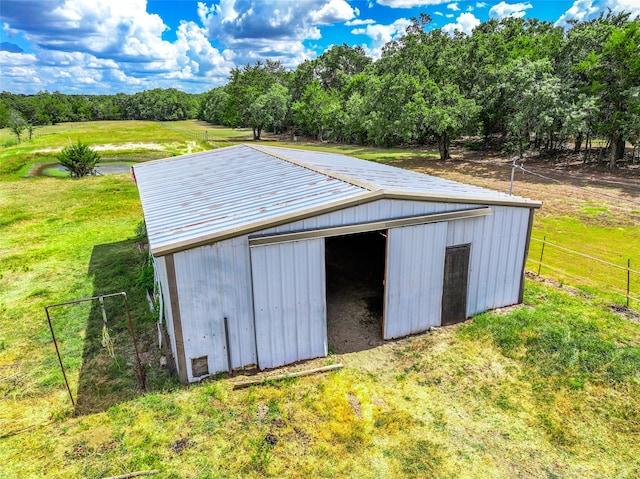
(239, 239)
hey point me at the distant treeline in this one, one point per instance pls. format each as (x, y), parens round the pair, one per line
(522, 83)
(50, 108)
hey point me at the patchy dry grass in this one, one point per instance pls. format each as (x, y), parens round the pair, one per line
(489, 398)
(549, 389)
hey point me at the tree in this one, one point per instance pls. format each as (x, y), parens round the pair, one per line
(532, 102)
(245, 86)
(269, 110)
(619, 72)
(17, 124)
(438, 111)
(211, 106)
(317, 111)
(601, 60)
(79, 159)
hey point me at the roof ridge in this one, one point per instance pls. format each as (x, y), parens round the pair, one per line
(330, 174)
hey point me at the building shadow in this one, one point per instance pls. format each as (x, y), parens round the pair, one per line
(109, 373)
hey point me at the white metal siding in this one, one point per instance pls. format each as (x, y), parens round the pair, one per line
(214, 282)
(496, 259)
(368, 212)
(161, 273)
(289, 301)
(414, 278)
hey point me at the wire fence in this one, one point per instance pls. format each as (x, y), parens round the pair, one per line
(613, 282)
(198, 135)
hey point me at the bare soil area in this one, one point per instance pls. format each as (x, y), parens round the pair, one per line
(564, 183)
(355, 289)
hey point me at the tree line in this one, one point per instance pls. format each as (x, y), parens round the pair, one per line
(47, 108)
(518, 84)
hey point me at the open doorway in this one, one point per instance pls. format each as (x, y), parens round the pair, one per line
(355, 267)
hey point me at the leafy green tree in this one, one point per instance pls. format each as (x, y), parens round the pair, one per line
(4, 114)
(211, 106)
(79, 159)
(17, 124)
(317, 111)
(386, 97)
(270, 110)
(446, 114)
(599, 62)
(246, 85)
(619, 73)
(533, 102)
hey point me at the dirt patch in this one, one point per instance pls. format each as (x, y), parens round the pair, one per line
(566, 188)
(113, 147)
(355, 274)
(355, 404)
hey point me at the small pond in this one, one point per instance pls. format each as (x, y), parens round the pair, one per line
(107, 168)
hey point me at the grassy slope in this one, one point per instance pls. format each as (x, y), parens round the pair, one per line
(549, 389)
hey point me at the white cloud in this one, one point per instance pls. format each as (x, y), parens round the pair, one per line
(335, 11)
(632, 6)
(107, 46)
(358, 21)
(195, 54)
(449, 15)
(454, 7)
(409, 3)
(580, 10)
(584, 10)
(465, 23)
(276, 30)
(381, 34)
(438, 13)
(481, 4)
(503, 10)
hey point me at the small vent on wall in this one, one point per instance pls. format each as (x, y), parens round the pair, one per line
(200, 366)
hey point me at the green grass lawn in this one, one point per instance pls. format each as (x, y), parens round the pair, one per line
(550, 388)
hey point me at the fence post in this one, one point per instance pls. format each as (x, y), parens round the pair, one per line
(544, 239)
(628, 279)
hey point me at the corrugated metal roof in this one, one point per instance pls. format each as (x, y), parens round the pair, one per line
(205, 197)
(378, 176)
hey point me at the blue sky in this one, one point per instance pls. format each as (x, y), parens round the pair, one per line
(111, 46)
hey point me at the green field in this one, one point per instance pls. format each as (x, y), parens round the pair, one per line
(548, 389)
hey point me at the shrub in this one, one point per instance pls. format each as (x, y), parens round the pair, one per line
(79, 159)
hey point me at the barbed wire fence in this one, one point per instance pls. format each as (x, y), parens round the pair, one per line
(612, 282)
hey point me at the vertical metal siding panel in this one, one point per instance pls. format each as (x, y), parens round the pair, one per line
(233, 279)
(497, 258)
(289, 297)
(161, 271)
(508, 243)
(213, 283)
(519, 227)
(475, 268)
(202, 326)
(417, 242)
(502, 259)
(259, 269)
(502, 250)
(470, 231)
(486, 273)
(415, 268)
